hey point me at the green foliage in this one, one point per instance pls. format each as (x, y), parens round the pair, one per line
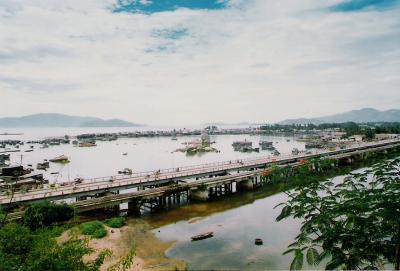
(23, 249)
(297, 262)
(354, 224)
(94, 228)
(15, 244)
(124, 263)
(115, 222)
(351, 128)
(45, 213)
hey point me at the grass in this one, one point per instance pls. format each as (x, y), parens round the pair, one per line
(94, 228)
(115, 222)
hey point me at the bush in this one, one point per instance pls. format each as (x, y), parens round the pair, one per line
(115, 222)
(46, 213)
(93, 228)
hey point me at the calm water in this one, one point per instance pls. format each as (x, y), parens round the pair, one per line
(236, 221)
(143, 153)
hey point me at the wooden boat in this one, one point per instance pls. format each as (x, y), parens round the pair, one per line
(87, 144)
(60, 159)
(202, 236)
(258, 241)
(125, 171)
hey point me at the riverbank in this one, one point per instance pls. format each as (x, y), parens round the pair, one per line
(137, 234)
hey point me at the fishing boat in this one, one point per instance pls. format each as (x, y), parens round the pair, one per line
(266, 145)
(60, 159)
(125, 171)
(87, 144)
(43, 166)
(125, 153)
(202, 236)
(258, 241)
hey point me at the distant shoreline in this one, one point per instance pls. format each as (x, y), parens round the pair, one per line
(7, 134)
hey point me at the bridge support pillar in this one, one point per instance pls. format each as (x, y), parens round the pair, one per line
(113, 209)
(245, 185)
(134, 208)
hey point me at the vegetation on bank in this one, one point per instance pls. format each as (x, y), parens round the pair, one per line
(32, 246)
(94, 229)
(351, 128)
(353, 225)
(115, 222)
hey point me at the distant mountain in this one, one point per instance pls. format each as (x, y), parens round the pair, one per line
(360, 116)
(60, 120)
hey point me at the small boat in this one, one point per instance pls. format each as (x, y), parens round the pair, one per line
(60, 159)
(258, 241)
(78, 180)
(125, 171)
(29, 150)
(44, 146)
(125, 153)
(87, 144)
(202, 236)
(287, 140)
(43, 166)
(174, 138)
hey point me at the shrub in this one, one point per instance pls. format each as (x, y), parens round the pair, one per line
(93, 228)
(45, 213)
(115, 222)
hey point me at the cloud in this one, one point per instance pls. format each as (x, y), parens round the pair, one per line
(252, 60)
(35, 86)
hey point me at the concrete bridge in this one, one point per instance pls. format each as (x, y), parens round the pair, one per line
(190, 176)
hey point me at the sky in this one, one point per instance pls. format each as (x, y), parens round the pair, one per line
(175, 62)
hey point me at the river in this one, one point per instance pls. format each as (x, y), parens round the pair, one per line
(143, 154)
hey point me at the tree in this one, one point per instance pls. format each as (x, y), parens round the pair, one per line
(45, 213)
(353, 225)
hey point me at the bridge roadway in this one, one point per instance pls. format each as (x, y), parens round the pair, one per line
(110, 200)
(116, 199)
(149, 178)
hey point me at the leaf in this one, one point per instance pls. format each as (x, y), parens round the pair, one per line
(284, 213)
(312, 256)
(297, 262)
(333, 264)
(288, 251)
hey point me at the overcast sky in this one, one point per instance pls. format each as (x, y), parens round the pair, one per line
(171, 62)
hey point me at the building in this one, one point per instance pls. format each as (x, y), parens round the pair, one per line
(386, 136)
(357, 138)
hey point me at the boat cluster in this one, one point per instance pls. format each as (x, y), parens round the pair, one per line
(14, 178)
(247, 146)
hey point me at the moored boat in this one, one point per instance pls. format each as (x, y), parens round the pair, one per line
(60, 159)
(202, 236)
